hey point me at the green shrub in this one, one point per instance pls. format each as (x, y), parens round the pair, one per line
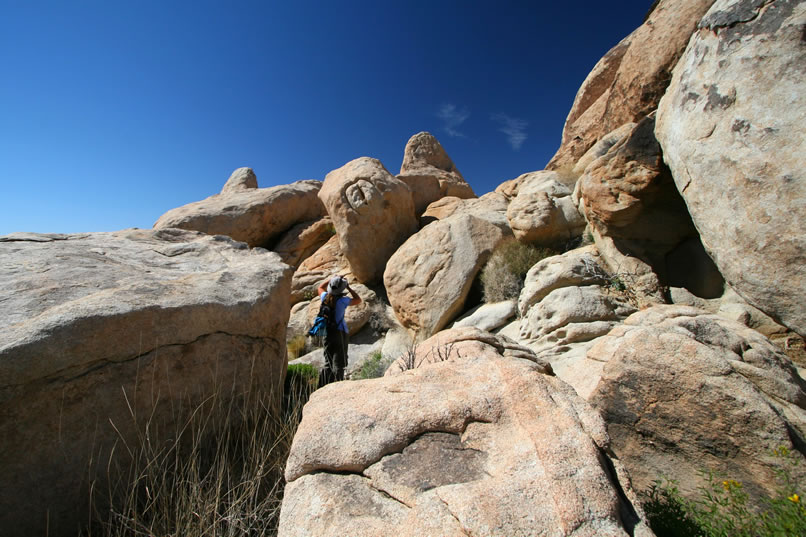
(374, 367)
(724, 510)
(503, 275)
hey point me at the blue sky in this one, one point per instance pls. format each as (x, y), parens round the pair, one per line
(112, 113)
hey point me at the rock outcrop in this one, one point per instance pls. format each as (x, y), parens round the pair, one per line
(733, 128)
(430, 173)
(489, 203)
(629, 81)
(99, 329)
(485, 445)
(246, 213)
(578, 267)
(373, 213)
(430, 275)
(682, 390)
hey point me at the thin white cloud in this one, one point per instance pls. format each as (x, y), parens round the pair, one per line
(514, 128)
(452, 118)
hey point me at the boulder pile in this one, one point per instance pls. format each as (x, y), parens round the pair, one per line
(675, 204)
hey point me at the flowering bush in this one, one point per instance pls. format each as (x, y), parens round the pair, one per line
(723, 508)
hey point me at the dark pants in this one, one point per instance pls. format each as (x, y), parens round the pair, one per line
(335, 357)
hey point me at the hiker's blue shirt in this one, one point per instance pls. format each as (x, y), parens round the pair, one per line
(341, 306)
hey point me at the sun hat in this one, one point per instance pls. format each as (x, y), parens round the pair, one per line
(337, 285)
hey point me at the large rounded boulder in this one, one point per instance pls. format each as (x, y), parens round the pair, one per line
(733, 130)
(630, 79)
(107, 335)
(480, 444)
(373, 214)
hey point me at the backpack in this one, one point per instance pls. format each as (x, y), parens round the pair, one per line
(325, 321)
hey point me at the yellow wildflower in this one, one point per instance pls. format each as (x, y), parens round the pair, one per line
(794, 498)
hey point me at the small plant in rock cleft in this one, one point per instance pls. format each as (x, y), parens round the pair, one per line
(374, 367)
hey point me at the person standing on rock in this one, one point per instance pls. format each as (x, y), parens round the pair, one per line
(331, 293)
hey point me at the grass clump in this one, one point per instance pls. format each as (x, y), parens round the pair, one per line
(503, 276)
(723, 508)
(374, 367)
(219, 474)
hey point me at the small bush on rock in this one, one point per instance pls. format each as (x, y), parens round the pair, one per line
(503, 275)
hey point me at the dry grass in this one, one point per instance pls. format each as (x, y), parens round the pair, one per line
(296, 346)
(503, 275)
(219, 475)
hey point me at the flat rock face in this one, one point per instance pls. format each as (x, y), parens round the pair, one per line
(430, 173)
(163, 316)
(733, 128)
(252, 215)
(429, 277)
(372, 211)
(543, 211)
(630, 79)
(482, 446)
(683, 391)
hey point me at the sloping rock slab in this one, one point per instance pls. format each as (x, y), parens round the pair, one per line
(99, 328)
(733, 128)
(482, 446)
(683, 391)
(255, 216)
(630, 79)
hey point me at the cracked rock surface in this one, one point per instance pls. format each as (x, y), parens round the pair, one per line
(732, 126)
(482, 445)
(161, 316)
(682, 390)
